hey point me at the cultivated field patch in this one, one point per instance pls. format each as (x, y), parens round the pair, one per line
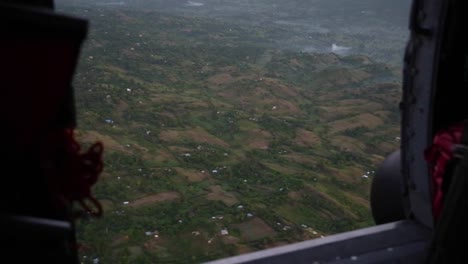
(192, 175)
(306, 138)
(155, 198)
(197, 134)
(218, 194)
(255, 229)
(362, 120)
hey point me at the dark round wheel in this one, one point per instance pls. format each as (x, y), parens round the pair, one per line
(386, 191)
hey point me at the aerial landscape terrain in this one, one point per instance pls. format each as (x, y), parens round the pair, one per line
(234, 126)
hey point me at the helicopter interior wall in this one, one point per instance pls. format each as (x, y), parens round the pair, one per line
(451, 94)
(37, 3)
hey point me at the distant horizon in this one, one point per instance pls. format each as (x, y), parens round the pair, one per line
(313, 25)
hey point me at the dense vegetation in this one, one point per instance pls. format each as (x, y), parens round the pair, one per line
(218, 142)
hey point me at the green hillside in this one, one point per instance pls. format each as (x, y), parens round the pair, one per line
(218, 142)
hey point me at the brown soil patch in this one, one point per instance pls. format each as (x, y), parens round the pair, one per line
(388, 147)
(259, 91)
(218, 194)
(228, 69)
(104, 175)
(162, 156)
(230, 240)
(242, 249)
(367, 107)
(107, 205)
(361, 59)
(347, 108)
(348, 175)
(346, 143)
(135, 252)
(326, 196)
(295, 195)
(180, 149)
(352, 102)
(121, 108)
(277, 244)
(362, 120)
(258, 139)
(376, 159)
(331, 113)
(324, 59)
(357, 199)
(295, 62)
(171, 99)
(279, 89)
(119, 240)
(138, 148)
(192, 175)
(255, 229)
(109, 142)
(198, 104)
(268, 92)
(125, 18)
(206, 69)
(113, 69)
(220, 79)
(328, 96)
(155, 198)
(306, 138)
(155, 244)
(389, 98)
(186, 63)
(284, 106)
(300, 158)
(342, 76)
(282, 168)
(198, 135)
(383, 114)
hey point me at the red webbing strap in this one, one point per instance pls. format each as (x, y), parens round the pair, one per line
(71, 174)
(438, 156)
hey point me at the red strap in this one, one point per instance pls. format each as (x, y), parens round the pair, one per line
(438, 156)
(72, 173)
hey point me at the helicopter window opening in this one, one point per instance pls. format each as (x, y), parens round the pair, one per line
(231, 127)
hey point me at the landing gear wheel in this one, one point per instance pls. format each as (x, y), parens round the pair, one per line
(387, 191)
